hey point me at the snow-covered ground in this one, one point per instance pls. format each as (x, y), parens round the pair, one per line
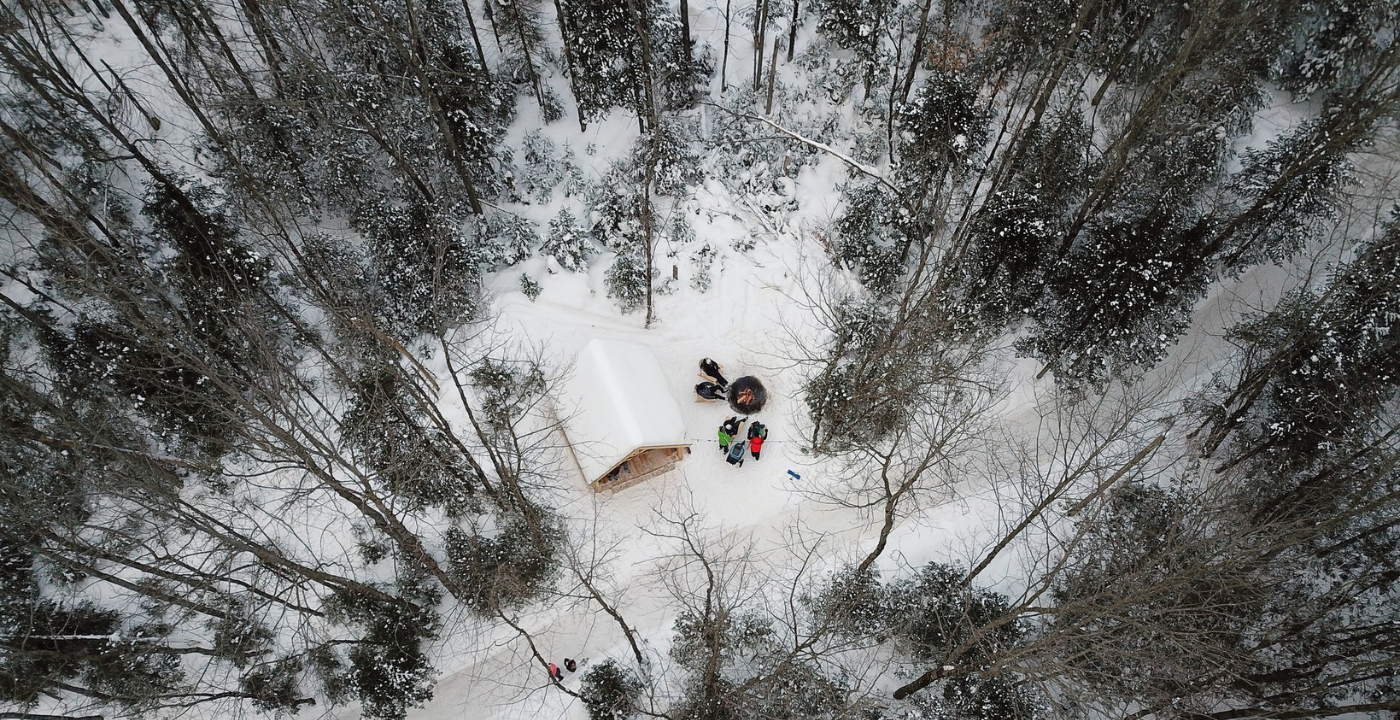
(747, 320)
(743, 321)
(752, 320)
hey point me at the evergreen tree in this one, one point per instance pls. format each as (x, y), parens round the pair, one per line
(568, 242)
(1147, 274)
(626, 278)
(413, 461)
(944, 128)
(421, 263)
(388, 669)
(1335, 43)
(1322, 373)
(1004, 270)
(605, 55)
(610, 691)
(47, 645)
(1285, 203)
(1013, 235)
(501, 570)
(668, 152)
(870, 234)
(855, 25)
(504, 239)
(542, 171)
(518, 30)
(608, 70)
(395, 96)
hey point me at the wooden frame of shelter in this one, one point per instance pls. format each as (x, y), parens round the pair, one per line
(642, 464)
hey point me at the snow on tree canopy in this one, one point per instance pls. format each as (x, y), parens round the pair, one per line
(617, 405)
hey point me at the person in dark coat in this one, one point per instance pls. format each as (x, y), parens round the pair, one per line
(735, 455)
(570, 665)
(758, 432)
(710, 369)
(728, 431)
(709, 391)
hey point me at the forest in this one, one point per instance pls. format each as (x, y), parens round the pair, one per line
(1080, 316)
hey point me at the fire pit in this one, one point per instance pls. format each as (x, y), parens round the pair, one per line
(747, 395)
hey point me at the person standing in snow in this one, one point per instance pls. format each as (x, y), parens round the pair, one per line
(570, 665)
(728, 431)
(555, 673)
(758, 432)
(735, 456)
(710, 369)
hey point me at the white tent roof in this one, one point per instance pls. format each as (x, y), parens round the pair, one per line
(616, 402)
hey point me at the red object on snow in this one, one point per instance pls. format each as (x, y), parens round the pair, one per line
(756, 444)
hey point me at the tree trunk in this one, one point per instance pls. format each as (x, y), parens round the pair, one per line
(687, 54)
(724, 61)
(272, 51)
(647, 228)
(792, 29)
(449, 137)
(772, 75)
(569, 61)
(491, 18)
(916, 54)
(890, 106)
(643, 26)
(529, 60)
(476, 38)
(760, 31)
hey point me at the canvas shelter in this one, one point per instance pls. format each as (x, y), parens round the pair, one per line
(620, 420)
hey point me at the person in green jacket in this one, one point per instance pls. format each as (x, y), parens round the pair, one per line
(728, 431)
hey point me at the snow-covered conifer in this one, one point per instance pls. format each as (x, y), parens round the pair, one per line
(568, 242)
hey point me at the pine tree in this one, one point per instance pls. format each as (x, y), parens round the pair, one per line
(502, 570)
(626, 278)
(855, 25)
(608, 66)
(605, 57)
(421, 263)
(388, 669)
(542, 171)
(48, 644)
(944, 128)
(1284, 203)
(1335, 43)
(610, 691)
(1004, 270)
(568, 242)
(517, 22)
(870, 234)
(1147, 273)
(504, 239)
(1323, 370)
(412, 460)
